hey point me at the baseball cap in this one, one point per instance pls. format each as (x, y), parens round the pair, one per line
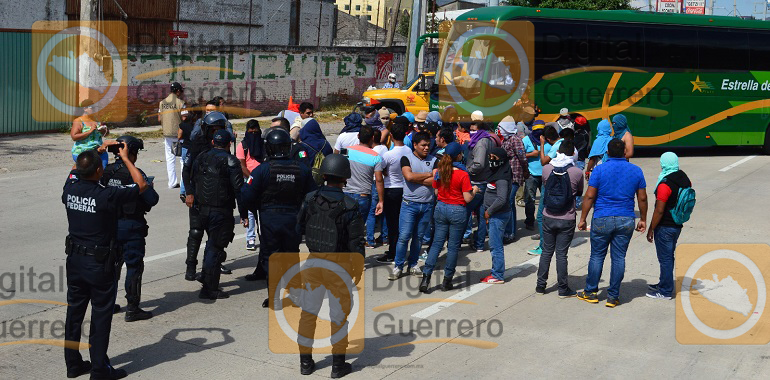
(409, 116)
(221, 137)
(564, 112)
(453, 149)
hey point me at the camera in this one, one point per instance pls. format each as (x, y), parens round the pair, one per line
(115, 149)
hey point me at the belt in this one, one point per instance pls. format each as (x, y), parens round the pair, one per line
(81, 250)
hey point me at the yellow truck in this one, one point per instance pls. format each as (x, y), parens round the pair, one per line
(413, 97)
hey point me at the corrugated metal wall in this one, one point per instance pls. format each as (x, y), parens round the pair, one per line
(16, 103)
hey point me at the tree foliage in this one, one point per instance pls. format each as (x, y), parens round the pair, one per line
(592, 5)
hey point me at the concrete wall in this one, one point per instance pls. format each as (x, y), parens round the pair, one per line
(263, 78)
(270, 21)
(15, 14)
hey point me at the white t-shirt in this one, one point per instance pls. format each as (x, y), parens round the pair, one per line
(391, 166)
(345, 140)
(380, 149)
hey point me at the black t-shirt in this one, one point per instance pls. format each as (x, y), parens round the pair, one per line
(186, 128)
(92, 209)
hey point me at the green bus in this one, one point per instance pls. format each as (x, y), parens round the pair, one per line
(682, 80)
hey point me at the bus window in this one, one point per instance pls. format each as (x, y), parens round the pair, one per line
(670, 47)
(560, 45)
(760, 50)
(723, 50)
(610, 44)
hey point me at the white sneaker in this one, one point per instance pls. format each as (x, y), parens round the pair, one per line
(414, 271)
(396, 274)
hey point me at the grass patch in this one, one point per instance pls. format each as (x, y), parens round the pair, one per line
(155, 134)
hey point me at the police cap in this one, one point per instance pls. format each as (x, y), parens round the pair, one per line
(221, 138)
(336, 165)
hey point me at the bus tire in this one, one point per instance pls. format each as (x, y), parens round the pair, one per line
(766, 146)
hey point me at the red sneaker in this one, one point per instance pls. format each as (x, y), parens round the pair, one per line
(491, 280)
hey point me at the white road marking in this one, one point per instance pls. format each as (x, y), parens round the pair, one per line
(177, 251)
(728, 167)
(473, 289)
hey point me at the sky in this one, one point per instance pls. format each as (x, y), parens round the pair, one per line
(722, 7)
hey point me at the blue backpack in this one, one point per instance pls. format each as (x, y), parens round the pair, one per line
(684, 205)
(558, 195)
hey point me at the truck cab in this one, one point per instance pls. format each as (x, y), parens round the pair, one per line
(413, 97)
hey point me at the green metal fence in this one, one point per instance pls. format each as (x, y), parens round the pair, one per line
(16, 96)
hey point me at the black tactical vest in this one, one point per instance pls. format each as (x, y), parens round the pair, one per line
(212, 181)
(286, 185)
(117, 174)
(324, 227)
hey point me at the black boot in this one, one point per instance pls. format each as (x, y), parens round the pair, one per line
(258, 274)
(193, 245)
(211, 288)
(447, 284)
(425, 283)
(83, 368)
(133, 296)
(266, 303)
(225, 270)
(306, 364)
(339, 367)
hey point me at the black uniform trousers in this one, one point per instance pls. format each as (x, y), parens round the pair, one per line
(89, 281)
(219, 227)
(131, 236)
(278, 233)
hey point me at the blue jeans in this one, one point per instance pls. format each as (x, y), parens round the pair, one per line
(371, 220)
(411, 223)
(181, 183)
(579, 198)
(477, 204)
(364, 201)
(510, 228)
(448, 219)
(612, 232)
(665, 244)
(497, 224)
(428, 235)
(251, 232)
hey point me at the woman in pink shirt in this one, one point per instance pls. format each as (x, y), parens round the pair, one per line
(249, 152)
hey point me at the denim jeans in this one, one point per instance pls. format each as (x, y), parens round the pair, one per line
(371, 219)
(510, 228)
(540, 208)
(556, 238)
(251, 232)
(477, 204)
(181, 183)
(665, 244)
(497, 224)
(448, 219)
(531, 185)
(428, 235)
(364, 201)
(411, 224)
(612, 232)
(579, 198)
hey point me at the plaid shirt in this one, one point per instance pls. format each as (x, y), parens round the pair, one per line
(515, 149)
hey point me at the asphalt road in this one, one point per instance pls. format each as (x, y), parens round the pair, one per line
(522, 335)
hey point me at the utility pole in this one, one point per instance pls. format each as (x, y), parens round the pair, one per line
(394, 13)
(735, 8)
(414, 32)
(87, 45)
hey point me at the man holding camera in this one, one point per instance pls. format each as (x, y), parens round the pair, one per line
(94, 258)
(132, 226)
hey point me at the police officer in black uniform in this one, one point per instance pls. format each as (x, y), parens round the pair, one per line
(94, 258)
(132, 226)
(276, 189)
(213, 122)
(331, 222)
(216, 181)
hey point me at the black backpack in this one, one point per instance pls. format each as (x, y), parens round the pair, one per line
(558, 195)
(324, 222)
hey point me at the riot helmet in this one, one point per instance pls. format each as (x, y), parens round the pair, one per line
(278, 143)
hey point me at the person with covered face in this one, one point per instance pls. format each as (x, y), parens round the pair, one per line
(497, 210)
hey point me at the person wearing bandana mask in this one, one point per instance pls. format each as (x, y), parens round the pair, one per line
(497, 211)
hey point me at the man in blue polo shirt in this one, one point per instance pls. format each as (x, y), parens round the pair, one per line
(612, 187)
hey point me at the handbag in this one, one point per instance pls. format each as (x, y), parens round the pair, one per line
(176, 147)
